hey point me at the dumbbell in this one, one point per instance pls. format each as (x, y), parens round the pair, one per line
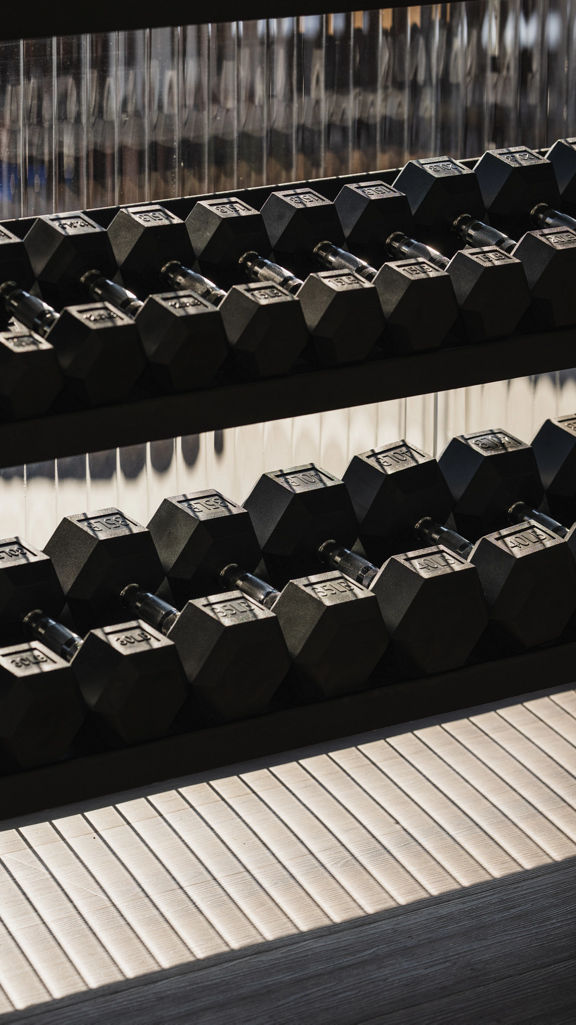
(41, 710)
(233, 653)
(430, 599)
(129, 675)
(182, 336)
(332, 626)
(490, 286)
(97, 347)
(562, 156)
(417, 299)
(554, 446)
(264, 324)
(341, 310)
(518, 184)
(444, 193)
(527, 572)
(30, 375)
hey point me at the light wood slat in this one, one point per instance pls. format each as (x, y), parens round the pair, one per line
(420, 867)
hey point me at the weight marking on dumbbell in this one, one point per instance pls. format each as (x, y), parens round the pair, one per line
(182, 305)
(264, 293)
(559, 238)
(413, 269)
(569, 422)
(372, 191)
(98, 314)
(517, 155)
(396, 457)
(206, 505)
(345, 281)
(240, 610)
(489, 257)
(229, 208)
(334, 589)
(443, 166)
(23, 342)
(15, 551)
(72, 224)
(305, 478)
(494, 441)
(25, 660)
(152, 215)
(109, 523)
(433, 564)
(301, 198)
(530, 537)
(130, 638)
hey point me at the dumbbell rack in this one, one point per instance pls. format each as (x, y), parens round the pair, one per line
(386, 702)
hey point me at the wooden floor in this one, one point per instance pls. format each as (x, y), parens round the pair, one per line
(424, 875)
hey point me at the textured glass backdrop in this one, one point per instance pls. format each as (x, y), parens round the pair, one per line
(105, 119)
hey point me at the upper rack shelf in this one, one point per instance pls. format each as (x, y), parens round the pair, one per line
(41, 20)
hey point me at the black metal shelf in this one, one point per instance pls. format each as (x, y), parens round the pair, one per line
(40, 20)
(95, 775)
(314, 391)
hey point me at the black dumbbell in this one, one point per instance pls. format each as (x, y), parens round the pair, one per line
(129, 675)
(97, 347)
(232, 652)
(554, 446)
(417, 298)
(30, 375)
(430, 599)
(527, 573)
(263, 323)
(518, 186)
(182, 336)
(342, 312)
(41, 711)
(562, 156)
(490, 286)
(446, 194)
(332, 626)
(296, 218)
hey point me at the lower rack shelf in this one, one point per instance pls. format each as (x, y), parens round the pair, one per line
(95, 775)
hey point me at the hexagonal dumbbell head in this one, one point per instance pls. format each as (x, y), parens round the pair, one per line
(296, 510)
(487, 472)
(554, 447)
(184, 338)
(61, 247)
(297, 218)
(335, 303)
(438, 190)
(132, 680)
(514, 180)
(196, 536)
(41, 710)
(528, 574)
(95, 555)
(392, 488)
(99, 351)
(30, 375)
(265, 327)
(492, 291)
(28, 579)
(549, 258)
(419, 304)
(562, 156)
(223, 228)
(14, 265)
(433, 607)
(369, 211)
(143, 239)
(233, 653)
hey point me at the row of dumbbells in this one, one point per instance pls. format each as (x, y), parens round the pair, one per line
(133, 310)
(315, 588)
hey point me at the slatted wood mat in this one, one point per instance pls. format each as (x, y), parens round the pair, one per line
(422, 874)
